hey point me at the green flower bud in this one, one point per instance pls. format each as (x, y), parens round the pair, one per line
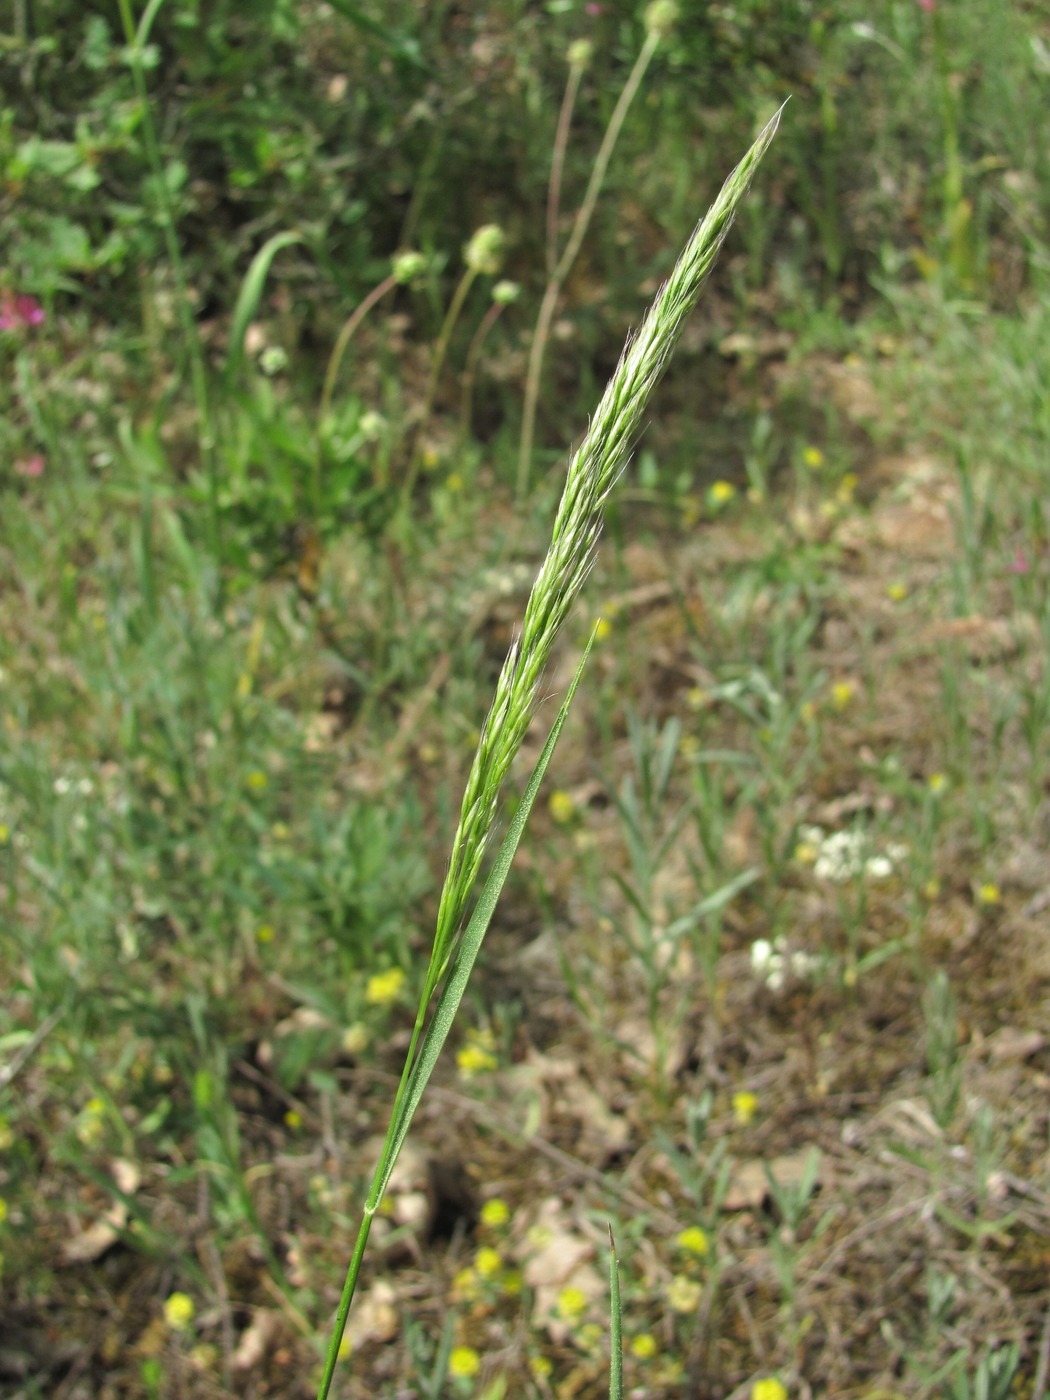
(484, 252)
(505, 292)
(371, 425)
(581, 51)
(273, 360)
(661, 17)
(408, 266)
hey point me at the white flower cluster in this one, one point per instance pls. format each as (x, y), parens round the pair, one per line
(82, 787)
(775, 962)
(844, 855)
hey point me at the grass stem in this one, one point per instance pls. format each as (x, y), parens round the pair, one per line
(564, 264)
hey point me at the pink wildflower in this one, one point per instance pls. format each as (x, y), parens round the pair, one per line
(30, 466)
(1019, 563)
(17, 309)
(594, 9)
(928, 5)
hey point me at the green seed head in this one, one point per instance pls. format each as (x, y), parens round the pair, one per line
(484, 252)
(661, 17)
(408, 266)
(503, 293)
(581, 51)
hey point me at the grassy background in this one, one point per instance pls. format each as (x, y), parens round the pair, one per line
(769, 988)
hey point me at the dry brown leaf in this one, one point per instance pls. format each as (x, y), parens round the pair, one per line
(127, 1175)
(636, 1035)
(555, 1256)
(1013, 1043)
(374, 1317)
(984, 638)
(409, 1199)
(257, 1339)
(749, 1184)
(90, 1244)
(603, 1133)
(303, 1018)
(93, 1242)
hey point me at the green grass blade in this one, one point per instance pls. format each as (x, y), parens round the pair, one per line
(250, 296)
(149, 14)
(399, 44)
(470, 943)
(615, 1326)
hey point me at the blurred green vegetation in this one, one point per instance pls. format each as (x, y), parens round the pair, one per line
(254, 591)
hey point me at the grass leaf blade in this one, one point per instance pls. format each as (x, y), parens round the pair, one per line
(251, 294)
(473, 935)
(615, 1325)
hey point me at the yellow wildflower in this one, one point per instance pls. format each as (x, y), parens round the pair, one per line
(495, 1213)
(694, 1240)
(293, 1120)
(769, 1388)
(561, 806)
(813, 458)
(464, 1361)
(721, 493)
(571, 1303)
(897, 592)
(257, 780)
(644, 1346)
(465, 1286)
(937, 783)
(841, 694)
(988, 893)
(3, 1210)
(684, 1294)
(384, 987)
(603, 629)
(178, 1311)
(487, 1262)
(846, 488)
(264, 933)
(474, 1059)
(745, 1106)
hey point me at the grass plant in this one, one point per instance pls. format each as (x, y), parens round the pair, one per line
(137, 37)
(592, 472)
(223, 829)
